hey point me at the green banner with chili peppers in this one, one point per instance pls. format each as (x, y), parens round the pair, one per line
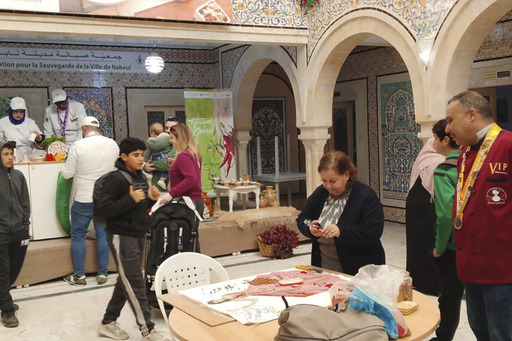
(210, 119)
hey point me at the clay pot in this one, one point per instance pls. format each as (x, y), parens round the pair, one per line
(215, 209)
(207, 201)
(270, 194)
(263, 203)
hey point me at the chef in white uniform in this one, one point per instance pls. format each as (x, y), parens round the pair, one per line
(62, 117)
(18, 127)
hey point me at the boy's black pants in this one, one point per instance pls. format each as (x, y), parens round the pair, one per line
(13, 248)
(130, 285)
(450, 295)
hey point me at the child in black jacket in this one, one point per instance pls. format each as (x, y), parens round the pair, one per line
(125, 205)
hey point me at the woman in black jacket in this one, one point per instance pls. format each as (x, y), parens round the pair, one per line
(343, 217)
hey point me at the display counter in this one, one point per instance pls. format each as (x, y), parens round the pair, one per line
(42, 186)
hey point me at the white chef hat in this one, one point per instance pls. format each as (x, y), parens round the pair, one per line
(89, 121)
(58, 95)
(18, 103)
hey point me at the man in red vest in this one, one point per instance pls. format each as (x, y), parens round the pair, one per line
(482, 212)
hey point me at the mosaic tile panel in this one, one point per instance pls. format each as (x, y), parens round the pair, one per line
(394, 214)
(229, 60)
(400, 145)
(498, 43)
(422, 18)
(97, 103)
(292, 51)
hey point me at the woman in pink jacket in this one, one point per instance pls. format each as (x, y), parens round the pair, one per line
(185, 171)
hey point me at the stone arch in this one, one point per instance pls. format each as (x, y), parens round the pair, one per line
(455, 49)
(326, 62)
(246, 75)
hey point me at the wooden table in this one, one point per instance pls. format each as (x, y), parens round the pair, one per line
(232, 192)
(186, 327)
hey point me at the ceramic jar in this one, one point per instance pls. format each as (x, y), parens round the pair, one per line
(207, 201)
(270, 194)
(263, 201)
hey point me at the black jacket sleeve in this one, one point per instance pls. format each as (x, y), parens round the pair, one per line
(25, 201)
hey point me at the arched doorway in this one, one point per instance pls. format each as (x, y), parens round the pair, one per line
(322, 74)
(248, 72)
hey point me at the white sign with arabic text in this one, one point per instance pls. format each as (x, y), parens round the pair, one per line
(71, 60)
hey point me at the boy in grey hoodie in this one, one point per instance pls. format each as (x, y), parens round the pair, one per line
(14, 230)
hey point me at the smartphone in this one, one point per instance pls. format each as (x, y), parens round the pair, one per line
(312, 224)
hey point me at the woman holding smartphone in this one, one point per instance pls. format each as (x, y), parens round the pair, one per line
(343, 217)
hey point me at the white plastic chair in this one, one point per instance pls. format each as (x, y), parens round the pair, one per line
(186, 270)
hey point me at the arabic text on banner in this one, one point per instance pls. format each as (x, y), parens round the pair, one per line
(71, 60)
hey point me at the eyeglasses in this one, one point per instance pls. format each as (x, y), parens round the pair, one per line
(172, 119)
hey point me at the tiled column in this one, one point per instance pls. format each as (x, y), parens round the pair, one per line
(242, 138)
(314, 140)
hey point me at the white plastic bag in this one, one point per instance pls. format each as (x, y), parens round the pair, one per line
(381, 283)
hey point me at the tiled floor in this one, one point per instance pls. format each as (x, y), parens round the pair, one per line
(56, 311)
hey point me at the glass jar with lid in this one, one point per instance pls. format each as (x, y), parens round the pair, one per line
(405, 291)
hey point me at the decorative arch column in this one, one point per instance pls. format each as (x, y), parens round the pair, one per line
(242, 138)
(314, 140)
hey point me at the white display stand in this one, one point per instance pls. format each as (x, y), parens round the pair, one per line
(278, 177)
(42, 186)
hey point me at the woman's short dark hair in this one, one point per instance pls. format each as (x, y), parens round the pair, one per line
(131, 144)
(340, 162)
(440, 130)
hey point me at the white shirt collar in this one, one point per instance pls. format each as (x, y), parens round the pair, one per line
(92, 133)
(481, 134)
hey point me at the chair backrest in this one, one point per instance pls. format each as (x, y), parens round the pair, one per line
(186, 270)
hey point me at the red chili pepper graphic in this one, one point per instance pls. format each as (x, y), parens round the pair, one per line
(229, 144)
